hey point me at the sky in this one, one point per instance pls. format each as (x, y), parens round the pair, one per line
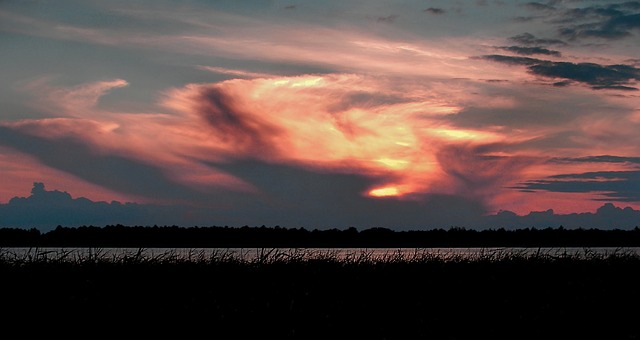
(403, 114)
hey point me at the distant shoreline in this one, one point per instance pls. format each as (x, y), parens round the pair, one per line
(277, 237)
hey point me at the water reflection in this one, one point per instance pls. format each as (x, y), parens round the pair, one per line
(289, 254)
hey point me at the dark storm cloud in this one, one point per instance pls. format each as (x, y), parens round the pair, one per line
(530, 39)
(612, 21)
(530, 50)
(596, 75)
(434, 10)
(623, 186)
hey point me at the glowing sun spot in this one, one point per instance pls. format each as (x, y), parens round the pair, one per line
(384, 192)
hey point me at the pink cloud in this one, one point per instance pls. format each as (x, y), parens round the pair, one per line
(235, 72)
(300, 120)
(77, 101)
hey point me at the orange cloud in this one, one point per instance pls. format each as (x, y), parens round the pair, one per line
(396, 132)
(340, 122)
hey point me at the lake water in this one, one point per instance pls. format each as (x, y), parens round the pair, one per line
(348, 254)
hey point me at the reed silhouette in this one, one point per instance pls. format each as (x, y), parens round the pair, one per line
(311, 294)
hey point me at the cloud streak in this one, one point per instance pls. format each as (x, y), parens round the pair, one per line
(530, 50)
(617, 77)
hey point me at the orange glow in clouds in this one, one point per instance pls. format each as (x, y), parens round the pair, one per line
(389, 131)
(384, 192)
(377, 127)
(339, 122)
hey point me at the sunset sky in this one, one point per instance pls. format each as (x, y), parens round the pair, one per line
(324, 112)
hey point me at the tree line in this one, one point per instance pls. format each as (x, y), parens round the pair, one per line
(249, 237)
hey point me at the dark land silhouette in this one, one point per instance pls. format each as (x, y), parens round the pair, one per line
(231, 237)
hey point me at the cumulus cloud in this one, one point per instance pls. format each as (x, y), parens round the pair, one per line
(607, 216)
(44, 210)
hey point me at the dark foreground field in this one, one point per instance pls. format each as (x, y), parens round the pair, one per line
(299, 296)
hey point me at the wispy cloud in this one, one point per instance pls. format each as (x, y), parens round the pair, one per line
(389, 18)
(235, 72)
(530, 50)
(435, 10)
(622, 186)
(530, 39)
(539, 6)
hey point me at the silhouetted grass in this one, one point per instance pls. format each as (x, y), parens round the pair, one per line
(323, 293)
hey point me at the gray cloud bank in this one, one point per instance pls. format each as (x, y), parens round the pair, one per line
(619, 77)
(44, 210)
(604, 20)
(619, 186)
(530, 50)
